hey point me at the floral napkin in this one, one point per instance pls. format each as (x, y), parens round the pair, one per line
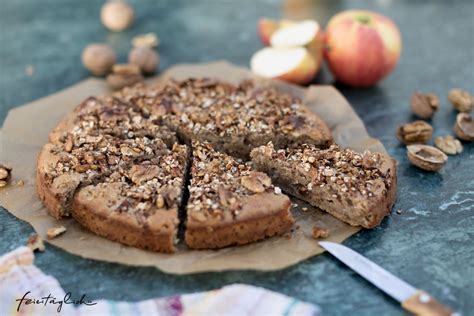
(26, 290)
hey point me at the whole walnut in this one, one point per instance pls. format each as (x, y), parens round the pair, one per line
(424, 105)
(461, 100)
(99, 58)
(145, 58)
(117, 15)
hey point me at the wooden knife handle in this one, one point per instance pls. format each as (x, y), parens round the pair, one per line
(423, 304)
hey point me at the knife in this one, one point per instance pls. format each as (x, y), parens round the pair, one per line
(413, 300)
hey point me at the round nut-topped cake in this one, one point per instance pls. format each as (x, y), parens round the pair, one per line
(147, 163)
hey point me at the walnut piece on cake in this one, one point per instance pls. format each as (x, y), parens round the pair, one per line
(230, 203)
(358, 189)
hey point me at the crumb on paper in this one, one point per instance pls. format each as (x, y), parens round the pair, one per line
(82, 238)
(319, 232)
(29, 70)
(20, 183)
(55, 232)
(35, 242)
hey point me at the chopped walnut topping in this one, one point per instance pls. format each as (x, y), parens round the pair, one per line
(222, 109)
(55, 232)
(219, 182)
(342, 169)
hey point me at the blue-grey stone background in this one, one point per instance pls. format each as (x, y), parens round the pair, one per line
(430, 244)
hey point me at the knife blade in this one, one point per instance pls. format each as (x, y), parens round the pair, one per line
(412, 299)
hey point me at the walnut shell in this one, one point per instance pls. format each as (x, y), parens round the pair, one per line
(145, 58)
(464, 127)
(99, 58)
(117, 15)
(426, 157)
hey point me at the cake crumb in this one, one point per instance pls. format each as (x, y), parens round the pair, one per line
(35, 242)
(55, 232)
(319, 232)
(304, 209)
(399, 211)
(20, 183)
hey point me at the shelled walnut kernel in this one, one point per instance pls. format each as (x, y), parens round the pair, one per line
(449, 145)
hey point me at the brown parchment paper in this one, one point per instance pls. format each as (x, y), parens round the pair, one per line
(26, 129)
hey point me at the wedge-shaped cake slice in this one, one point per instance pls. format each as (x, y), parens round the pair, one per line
(233, 118)
(231, 204)
(110, 116)
(137, 206)
(84, 159)
(358, 189)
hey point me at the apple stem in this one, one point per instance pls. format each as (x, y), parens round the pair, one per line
(364, 19)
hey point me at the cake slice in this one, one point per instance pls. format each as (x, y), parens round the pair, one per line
(79, 160)
(138, 206)
(233, 118)
(358, 189)
(231, 204)
(110, 116)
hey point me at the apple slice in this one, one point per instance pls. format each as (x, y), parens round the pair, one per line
(266, 27)
(296, 34)
(306, 34)
(290, 64)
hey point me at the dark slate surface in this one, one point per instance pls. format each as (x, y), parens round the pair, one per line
(430, 244)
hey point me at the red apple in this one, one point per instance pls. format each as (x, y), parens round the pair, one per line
(361, 47)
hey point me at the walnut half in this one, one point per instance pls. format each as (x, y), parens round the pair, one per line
(256, 182)
(5, 175)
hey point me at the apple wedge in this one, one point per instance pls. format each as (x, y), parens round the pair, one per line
(295, 64)
(306, 34)
(266, 27)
